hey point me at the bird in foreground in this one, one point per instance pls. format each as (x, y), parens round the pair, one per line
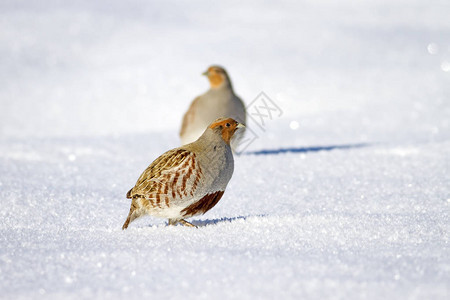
(188, 180)
(219, 101)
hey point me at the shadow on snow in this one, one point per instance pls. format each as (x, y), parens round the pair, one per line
(201, 223)
(304, 149)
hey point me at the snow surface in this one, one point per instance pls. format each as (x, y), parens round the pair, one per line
(345, 196)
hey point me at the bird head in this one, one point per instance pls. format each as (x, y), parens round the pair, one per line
(226, 127)
(217, 77)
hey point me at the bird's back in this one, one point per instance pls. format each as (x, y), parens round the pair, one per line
(214, 104)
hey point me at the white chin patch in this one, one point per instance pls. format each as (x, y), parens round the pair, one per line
(236, 140)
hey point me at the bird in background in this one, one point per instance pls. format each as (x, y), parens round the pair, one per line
(219, 101)
(188, 180)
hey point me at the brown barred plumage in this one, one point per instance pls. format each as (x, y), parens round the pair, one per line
(188, 180)
(202, 205)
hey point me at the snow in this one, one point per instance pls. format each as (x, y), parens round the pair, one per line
(346, 195)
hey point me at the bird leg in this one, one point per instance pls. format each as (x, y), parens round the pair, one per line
(173, 222)
(182, 222)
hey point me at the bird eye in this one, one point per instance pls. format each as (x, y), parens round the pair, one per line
(228, 125)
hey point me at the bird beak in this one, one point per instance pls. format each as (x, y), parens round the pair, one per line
(206, 73)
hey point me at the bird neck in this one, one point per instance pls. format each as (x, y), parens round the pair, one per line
(212, 137)
(221, 85)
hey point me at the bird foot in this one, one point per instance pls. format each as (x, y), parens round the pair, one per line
(182, 222)
(186, 223)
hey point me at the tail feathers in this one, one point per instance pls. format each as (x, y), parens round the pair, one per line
(132, 215)
(127, 222)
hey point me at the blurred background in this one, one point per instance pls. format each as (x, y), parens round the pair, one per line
(342, 72)
(91, 92)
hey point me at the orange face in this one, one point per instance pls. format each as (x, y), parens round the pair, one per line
(216, 76)
(227, 126)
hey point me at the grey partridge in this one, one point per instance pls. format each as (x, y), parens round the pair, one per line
(188, 180)
(219, 101)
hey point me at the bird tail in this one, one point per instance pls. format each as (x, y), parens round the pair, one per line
(132, 215)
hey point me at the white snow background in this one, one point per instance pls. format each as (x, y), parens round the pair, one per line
(345, 196)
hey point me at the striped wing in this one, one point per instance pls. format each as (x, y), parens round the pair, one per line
(171, 177)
